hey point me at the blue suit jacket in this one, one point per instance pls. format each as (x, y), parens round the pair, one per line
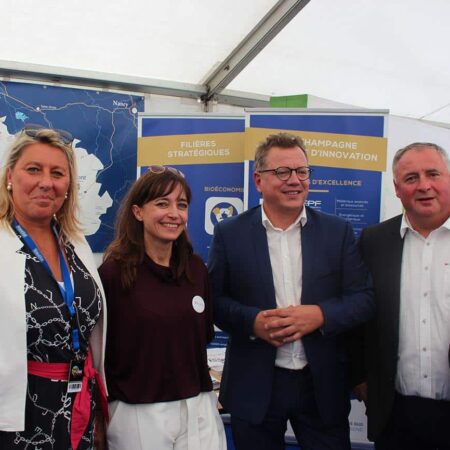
(334, 277)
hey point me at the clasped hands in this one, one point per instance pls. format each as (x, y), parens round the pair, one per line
(282, 325)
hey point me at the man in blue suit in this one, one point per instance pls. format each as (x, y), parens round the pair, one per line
(287, 281)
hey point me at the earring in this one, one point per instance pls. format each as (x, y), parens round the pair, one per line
(9, 186)
(65, 196)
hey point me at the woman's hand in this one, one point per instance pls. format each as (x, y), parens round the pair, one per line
(100, 432)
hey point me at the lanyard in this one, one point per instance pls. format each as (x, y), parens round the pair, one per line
(66, 292)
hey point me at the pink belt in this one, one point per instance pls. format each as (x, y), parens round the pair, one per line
(81, 410)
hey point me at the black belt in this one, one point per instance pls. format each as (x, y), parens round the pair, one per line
(294, 371)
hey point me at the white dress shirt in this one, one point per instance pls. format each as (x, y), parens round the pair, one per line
(424, 335)
(285, 250)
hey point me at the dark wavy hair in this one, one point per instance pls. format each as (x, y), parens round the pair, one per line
(128, 245)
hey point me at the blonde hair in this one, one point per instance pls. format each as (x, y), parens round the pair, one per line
(67, 215)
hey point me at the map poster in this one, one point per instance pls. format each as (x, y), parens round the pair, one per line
(209, 152)
(104, 127)
(347, 152)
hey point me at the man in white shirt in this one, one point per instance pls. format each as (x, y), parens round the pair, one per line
(287, 281)
(407, 345)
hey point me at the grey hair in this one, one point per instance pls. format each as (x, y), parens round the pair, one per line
(419, 146)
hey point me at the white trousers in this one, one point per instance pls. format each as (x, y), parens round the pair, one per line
(190, 424)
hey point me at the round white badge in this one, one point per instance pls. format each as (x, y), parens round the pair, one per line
(198, 304)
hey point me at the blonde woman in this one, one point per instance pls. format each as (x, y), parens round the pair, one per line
(51, 308)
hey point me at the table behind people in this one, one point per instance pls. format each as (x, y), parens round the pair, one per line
(160, 322)
(407, 345)
(51, 300)
(287, 280)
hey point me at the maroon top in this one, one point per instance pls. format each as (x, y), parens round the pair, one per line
(156, 341)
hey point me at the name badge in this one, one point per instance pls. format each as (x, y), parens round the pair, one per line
(75, 379)
(198, 304)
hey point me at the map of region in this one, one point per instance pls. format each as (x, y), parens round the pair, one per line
(104, 127)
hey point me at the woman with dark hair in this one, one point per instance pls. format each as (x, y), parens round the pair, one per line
(160, 322)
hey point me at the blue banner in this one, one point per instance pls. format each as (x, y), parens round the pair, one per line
(209, 152)
(347, 153)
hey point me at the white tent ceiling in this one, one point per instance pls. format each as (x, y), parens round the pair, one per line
(376, 54)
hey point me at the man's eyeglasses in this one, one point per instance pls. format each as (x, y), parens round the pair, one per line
(284, 173)
(162, 169)
(34, 131)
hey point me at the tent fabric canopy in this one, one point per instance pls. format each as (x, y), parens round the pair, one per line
(372, 54)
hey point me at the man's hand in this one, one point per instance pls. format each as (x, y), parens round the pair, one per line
(292, 323)
(260, 330)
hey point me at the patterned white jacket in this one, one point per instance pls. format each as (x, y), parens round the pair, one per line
(13, 341)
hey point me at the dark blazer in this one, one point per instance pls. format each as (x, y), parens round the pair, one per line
(382, 248)
(334, 277)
